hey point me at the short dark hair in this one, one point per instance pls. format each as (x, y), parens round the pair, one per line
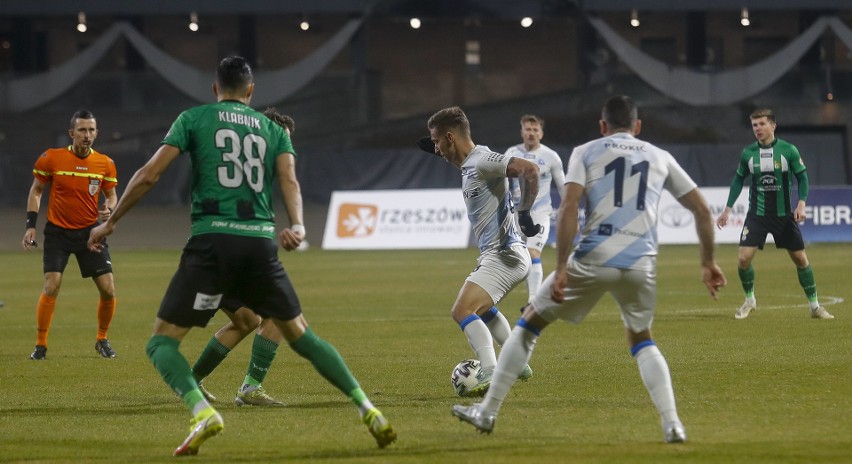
(763, 113)
(533, 119)
(620, 112)
(80, 114)
(233, 73)
(282, 120)
(449, 119)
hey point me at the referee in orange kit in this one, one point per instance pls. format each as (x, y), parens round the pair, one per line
(77, 175)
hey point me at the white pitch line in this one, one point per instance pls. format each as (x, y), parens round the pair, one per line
(824, 301)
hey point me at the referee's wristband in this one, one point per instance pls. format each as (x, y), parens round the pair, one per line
(32, 218)
(298, 228)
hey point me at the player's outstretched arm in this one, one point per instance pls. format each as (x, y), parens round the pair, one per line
(142, 181)
(33, 205)
(527, 173)
(566, 229)
(285, 166)
(713, 277)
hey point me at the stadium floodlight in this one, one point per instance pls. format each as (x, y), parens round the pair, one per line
(634, 17)
(744, 19)
(193, 22)
(526, 22)
(304, 25)
(81, 22)
(415, 23)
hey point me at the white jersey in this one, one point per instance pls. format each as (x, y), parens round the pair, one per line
(486, 195)
(623, 178)
(550, 170)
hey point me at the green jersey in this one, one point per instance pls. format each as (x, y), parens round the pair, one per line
(232, 150)
(770, 167)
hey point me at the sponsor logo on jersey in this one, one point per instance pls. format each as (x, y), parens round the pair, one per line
(94, 186)
(605, 229)
(472, 192)
(495, 157)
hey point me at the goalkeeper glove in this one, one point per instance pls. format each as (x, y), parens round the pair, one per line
(528, 227)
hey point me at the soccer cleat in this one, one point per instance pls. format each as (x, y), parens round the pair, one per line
(255, 397)
(745, 309)
(819, 313)
(204, 425)
(526, 373)
(207, 395)
(39, 354)
(674, 432)
(475, 416)
(104, 349)
(379, 427)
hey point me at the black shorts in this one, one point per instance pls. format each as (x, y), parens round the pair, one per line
(784, 230)
(230, 304)
(60, 243)
(246, 269)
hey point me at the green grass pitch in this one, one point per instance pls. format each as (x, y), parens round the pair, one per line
(774, 388)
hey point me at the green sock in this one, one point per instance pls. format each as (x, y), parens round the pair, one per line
(173, 368)
(806, 280)
(262, 355)
(747, 279)
(213, 355)
(328, 362)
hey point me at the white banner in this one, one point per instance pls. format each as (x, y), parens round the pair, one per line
(396, 219)
(675, 223)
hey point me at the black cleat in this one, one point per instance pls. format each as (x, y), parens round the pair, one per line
(40, 353)
(103, 348)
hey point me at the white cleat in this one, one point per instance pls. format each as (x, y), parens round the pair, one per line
(745, 310)
(526, 373)
(475, 416)
(674, 432)
(821, 313)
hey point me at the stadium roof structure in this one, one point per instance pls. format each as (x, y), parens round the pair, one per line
(426, 8)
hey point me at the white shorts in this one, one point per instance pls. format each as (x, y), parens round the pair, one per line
(538, 242)
(635, 291)
(499, 271)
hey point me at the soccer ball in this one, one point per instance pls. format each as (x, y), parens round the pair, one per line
(465, 376)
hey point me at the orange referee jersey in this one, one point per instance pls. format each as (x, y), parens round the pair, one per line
(75, 185)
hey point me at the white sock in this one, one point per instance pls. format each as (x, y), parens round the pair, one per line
(534, 278)
(655, 374)
(200, 406)
(483, 345)
(513, 357)
(365, 407)
(499, 328)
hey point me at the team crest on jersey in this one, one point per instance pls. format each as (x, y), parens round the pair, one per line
(94, 186)
(605, 229)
